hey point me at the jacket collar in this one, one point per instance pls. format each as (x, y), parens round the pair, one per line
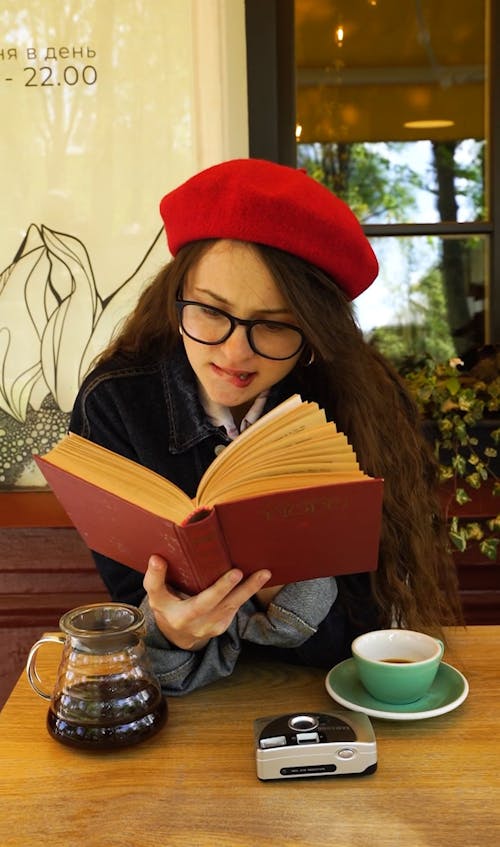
(188, 424)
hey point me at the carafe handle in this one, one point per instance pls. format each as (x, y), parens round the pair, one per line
(31, 669)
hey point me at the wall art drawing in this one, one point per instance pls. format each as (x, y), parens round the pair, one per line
(53, 321)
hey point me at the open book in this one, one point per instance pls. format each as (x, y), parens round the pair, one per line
(287, 494)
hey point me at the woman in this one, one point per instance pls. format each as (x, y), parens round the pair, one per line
(256, 306)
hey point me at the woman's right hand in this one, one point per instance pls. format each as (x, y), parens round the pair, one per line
(190, 622)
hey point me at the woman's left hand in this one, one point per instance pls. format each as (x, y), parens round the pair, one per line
(190, 622)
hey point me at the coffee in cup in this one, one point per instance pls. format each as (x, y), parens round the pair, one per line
(397, 665)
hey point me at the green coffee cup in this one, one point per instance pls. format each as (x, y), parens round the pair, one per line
(397, 665)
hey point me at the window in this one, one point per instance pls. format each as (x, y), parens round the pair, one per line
(392, 113)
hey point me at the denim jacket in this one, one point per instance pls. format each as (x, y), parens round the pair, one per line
(151, 413)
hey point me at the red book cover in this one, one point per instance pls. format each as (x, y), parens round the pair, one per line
(301, 534)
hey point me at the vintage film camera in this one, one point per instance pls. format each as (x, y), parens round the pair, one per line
(314, 744)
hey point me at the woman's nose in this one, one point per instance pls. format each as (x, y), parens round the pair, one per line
(237, 346)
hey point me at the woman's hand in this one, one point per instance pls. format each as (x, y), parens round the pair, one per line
(190, 622)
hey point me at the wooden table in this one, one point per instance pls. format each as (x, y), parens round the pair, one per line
(195, 783)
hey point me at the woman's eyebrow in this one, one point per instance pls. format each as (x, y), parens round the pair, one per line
(226, 303)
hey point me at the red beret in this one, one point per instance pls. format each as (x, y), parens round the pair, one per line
(260, 201)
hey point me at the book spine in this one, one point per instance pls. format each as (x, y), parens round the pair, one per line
(204, 547)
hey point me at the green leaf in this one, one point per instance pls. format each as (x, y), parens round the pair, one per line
(488, 547)
(474, 531)
(495, 435)
(474, 480)
(459, 464)
(458, 540)
(461, 431)
(453, 385)
(461, 496)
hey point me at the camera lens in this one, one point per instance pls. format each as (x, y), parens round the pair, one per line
(302, 723)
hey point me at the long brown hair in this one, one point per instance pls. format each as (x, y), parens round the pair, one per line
(416, 583)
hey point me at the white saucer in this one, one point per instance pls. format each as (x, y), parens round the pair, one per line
(448, 691)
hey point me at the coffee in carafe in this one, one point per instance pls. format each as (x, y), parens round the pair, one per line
(106, 695)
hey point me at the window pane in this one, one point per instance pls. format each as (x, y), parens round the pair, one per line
(399, 83)
(429, 298)
(403, 182)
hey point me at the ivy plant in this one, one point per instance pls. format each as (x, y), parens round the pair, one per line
(455, 401)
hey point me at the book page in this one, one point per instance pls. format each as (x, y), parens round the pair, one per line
(283, 422)
(281, 482)
(120, 476)
(297, 442)
(310, 461)
(294, 469)
(327, 442)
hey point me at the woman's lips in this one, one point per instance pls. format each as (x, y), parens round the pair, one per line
(240, 379)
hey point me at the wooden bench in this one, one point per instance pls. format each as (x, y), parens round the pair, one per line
(44, 571)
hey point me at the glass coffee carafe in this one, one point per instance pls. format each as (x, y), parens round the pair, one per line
(106, 695)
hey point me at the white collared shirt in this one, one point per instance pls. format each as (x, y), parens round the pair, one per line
(220, 415)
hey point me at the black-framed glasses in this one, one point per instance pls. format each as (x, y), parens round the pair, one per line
(208, 325)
